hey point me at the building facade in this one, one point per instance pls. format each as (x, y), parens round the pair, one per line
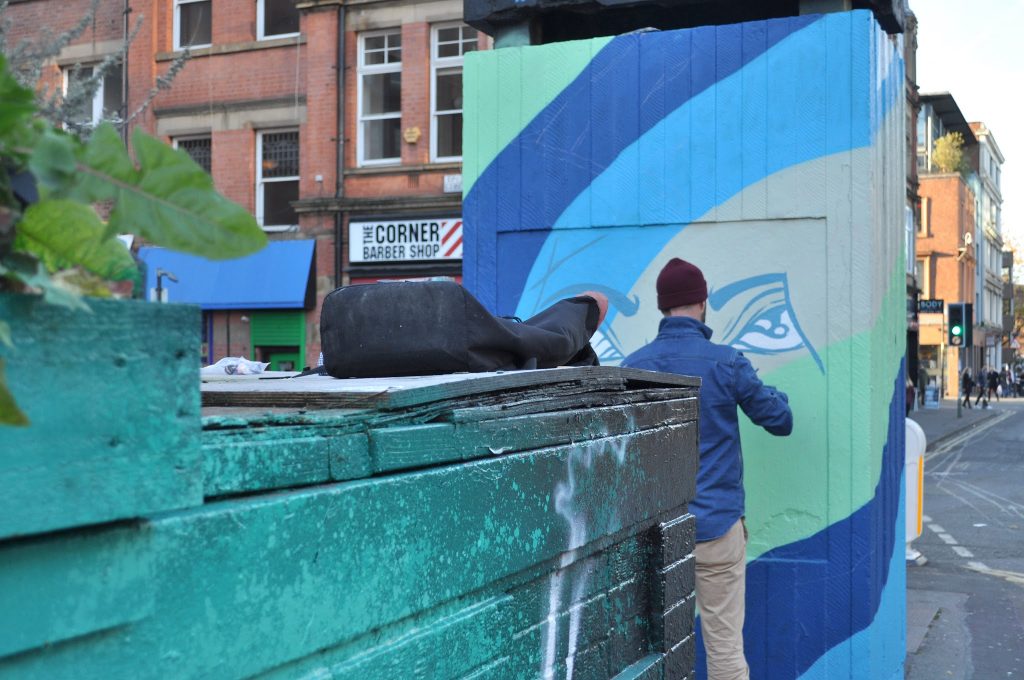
(913, 205)
(986, 161)
(335, 123)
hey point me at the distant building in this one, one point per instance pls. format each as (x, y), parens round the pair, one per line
(986, 160)
(337, 124)
(945, 258)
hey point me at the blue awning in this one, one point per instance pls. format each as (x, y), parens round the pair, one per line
(280, 276)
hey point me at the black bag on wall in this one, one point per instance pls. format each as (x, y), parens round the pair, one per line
(433, 327)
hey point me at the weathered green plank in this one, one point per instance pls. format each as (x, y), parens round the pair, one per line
(55, 589)
(249, 584)
(565, 402)
(286, 460)
(114, 402)
(404, 447)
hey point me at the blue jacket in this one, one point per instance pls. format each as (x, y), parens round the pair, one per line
(728, 380)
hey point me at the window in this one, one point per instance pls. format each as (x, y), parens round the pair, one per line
(199, 149)
(193, 20)
(103, 103)
(920, 271)
(380, 98)
(922, 228)
(450, 43)
(276, 19)
(277, 179)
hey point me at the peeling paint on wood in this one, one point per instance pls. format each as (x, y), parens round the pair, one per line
(554, 543)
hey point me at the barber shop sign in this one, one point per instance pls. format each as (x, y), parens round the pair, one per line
(404, 240)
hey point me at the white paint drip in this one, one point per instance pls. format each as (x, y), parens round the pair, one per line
(565, 496)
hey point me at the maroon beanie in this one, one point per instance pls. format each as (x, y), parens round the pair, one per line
(679, 284)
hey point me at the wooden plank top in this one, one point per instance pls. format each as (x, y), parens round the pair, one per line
(322, 392)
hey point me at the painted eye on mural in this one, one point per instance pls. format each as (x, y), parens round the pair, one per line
(759, 317)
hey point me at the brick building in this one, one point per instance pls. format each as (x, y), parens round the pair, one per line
(946, 264)
(338, 124)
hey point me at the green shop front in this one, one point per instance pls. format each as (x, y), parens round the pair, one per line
(257, 306)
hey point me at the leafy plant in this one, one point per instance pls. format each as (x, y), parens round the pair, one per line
(57, 245)
(948, 155)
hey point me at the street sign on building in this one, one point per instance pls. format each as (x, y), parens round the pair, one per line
(931, 306)
(405, 240)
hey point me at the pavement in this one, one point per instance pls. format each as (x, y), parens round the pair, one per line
(963, 617)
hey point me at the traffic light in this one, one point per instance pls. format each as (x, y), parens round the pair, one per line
(961, 323)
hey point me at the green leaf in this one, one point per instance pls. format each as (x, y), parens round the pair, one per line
(53, 161)
(106, 152)
(30, 272)
(65, 232)
(10, 414)
(167, 199)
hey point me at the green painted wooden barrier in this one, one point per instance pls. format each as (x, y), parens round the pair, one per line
(528, 524)
(114, 410)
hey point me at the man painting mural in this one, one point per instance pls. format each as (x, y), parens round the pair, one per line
(728, 380)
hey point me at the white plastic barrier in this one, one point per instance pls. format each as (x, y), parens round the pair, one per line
(916, 445)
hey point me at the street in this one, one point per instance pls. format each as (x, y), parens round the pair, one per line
(966, 605)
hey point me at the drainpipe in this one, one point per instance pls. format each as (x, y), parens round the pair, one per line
(124, 72)
(339, 188)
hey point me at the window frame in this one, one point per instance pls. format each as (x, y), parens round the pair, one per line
(362, 69)
(187, 138)
(438, 63)
(261, 181)
(261, 27)
(96, 115)
(176, 23)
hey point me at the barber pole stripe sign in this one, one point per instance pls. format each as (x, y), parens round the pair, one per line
(451, 242)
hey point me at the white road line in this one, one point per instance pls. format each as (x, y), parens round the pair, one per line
(947, 539)
(960, 439)
(978, 566)
(936, 528)
(962, 551)
(926, 519)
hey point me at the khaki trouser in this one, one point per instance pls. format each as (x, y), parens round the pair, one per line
(721, 591)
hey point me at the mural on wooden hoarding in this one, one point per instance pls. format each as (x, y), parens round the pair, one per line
(771, 154)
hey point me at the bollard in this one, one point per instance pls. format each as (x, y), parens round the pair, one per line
(917, 443)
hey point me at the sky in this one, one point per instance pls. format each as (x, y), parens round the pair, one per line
(975, 51)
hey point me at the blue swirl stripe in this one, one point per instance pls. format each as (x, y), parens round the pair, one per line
(833, 581)
(585, 128)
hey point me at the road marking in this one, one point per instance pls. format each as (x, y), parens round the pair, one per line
(936, 528)
(962, 551)
(926, 519)
(961, 438)
(947, 539)
(1009, 576)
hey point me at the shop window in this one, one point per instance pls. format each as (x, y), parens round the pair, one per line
(380, 97)
(199, 149)
(193, 23)
(91, 99)
(276, 19)
(277, 179)
(449, 44)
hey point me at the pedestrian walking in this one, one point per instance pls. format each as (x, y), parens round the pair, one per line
(982, 384)
(993, 385)
(683, 345)
(966, 386)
